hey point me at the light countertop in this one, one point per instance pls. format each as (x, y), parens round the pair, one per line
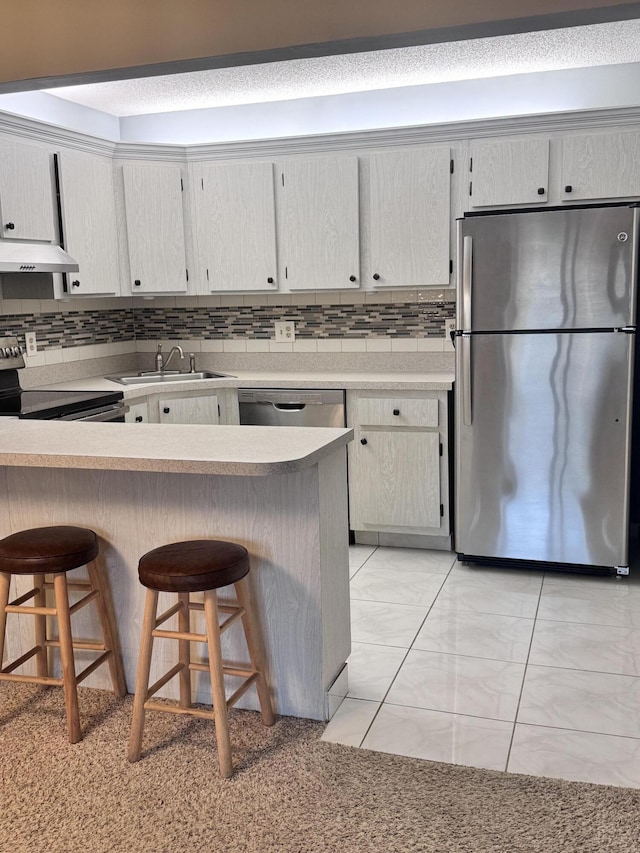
(166, 448)
(357, 380)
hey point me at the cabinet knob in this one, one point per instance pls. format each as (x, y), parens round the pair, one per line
(376, 276)
(75, 283)
(396, 411)
(138, 419)
(352, 278)
(541, 190)
(363, 441)
(10, 226)
(137, 282)
(166, 410)
(568, 188)
(270, 280)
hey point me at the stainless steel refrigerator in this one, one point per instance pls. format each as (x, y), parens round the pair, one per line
(544, 383)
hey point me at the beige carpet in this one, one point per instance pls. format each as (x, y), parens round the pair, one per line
(290, 792)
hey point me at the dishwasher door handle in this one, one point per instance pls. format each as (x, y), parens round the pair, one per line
(289, 407)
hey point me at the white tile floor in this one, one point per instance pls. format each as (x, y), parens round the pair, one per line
(528, 672)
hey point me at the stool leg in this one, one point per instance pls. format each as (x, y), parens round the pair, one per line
(142, 679)
(106, 615)
(256, 652)
(66, 655)
(40, 600)
(217, 683)
(5, 580)
(184, 649)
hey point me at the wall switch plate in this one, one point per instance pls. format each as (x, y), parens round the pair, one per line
(31, 345)
(285, 330)
(449, 326)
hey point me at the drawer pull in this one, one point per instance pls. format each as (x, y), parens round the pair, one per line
(396, 411)
(363, 441)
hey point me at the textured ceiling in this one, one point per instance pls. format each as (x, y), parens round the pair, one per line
(575, 47)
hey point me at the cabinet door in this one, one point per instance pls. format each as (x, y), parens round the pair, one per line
(26, 193)
(138, 413)
(321, 223)
(509, 172)
(155, 228)
(189, 410)
(605, 165)
(397, 477)
(87, 202)
(409, 213)
(236, 226)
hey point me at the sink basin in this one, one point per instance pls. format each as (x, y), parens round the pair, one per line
(168, 376)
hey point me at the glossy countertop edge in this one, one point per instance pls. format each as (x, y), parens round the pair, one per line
(167, 448)
(335, 379)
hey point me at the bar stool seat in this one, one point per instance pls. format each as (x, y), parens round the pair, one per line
(203, 565)
(54, 551)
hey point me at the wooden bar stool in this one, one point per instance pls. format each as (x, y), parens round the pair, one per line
(55, 551)
(198, 566)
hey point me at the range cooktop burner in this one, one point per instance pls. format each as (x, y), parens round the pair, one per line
(48, 405)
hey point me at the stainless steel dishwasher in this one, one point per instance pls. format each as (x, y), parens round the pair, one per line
(291, 407)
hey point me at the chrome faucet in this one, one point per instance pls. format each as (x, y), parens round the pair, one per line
(161, 364)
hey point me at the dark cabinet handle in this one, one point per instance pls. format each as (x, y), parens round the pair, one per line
(363, 441)
(137, 282)
(10, 226)
(270, 280)
(75, 283)
(166, 410)
(352, 278)
(138, 419)
(376, 276)
(396, 411)
(568, 188)
(540, 190)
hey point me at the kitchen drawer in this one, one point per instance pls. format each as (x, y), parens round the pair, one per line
(398, 412)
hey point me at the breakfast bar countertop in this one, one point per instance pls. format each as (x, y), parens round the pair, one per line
(166, 448)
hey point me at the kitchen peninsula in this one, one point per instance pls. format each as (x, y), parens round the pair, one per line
(280, 492)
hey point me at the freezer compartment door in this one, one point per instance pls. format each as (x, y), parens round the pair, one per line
(542, 462)
(555, 269)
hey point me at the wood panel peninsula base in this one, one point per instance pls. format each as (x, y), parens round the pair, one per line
(280, 492)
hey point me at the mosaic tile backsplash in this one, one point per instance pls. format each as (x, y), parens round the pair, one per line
(399, 320)
(79, 328)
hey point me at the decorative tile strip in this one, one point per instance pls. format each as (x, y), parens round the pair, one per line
(56, 330)
(395, 320)
(61, 330)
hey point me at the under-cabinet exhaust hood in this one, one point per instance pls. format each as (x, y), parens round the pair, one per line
(34, 257)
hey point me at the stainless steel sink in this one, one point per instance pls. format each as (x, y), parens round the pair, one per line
(166, 376)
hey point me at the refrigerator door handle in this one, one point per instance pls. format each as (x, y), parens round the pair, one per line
(465, 356)
(467, 281)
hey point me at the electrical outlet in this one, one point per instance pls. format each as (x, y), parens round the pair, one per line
(449, 326)
(30, 342)
(285, 330)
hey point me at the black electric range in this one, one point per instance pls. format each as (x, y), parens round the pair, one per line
(45, 405)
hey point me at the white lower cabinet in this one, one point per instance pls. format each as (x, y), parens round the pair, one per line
(189, 410)
(138, 413)
(398, 462)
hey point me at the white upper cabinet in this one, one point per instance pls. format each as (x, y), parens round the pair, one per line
(600, 166)
(235, 226)
(410, 217)
(26, 193)
(87, 201)
(509, 172)
(155, 228)
(320, 218)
